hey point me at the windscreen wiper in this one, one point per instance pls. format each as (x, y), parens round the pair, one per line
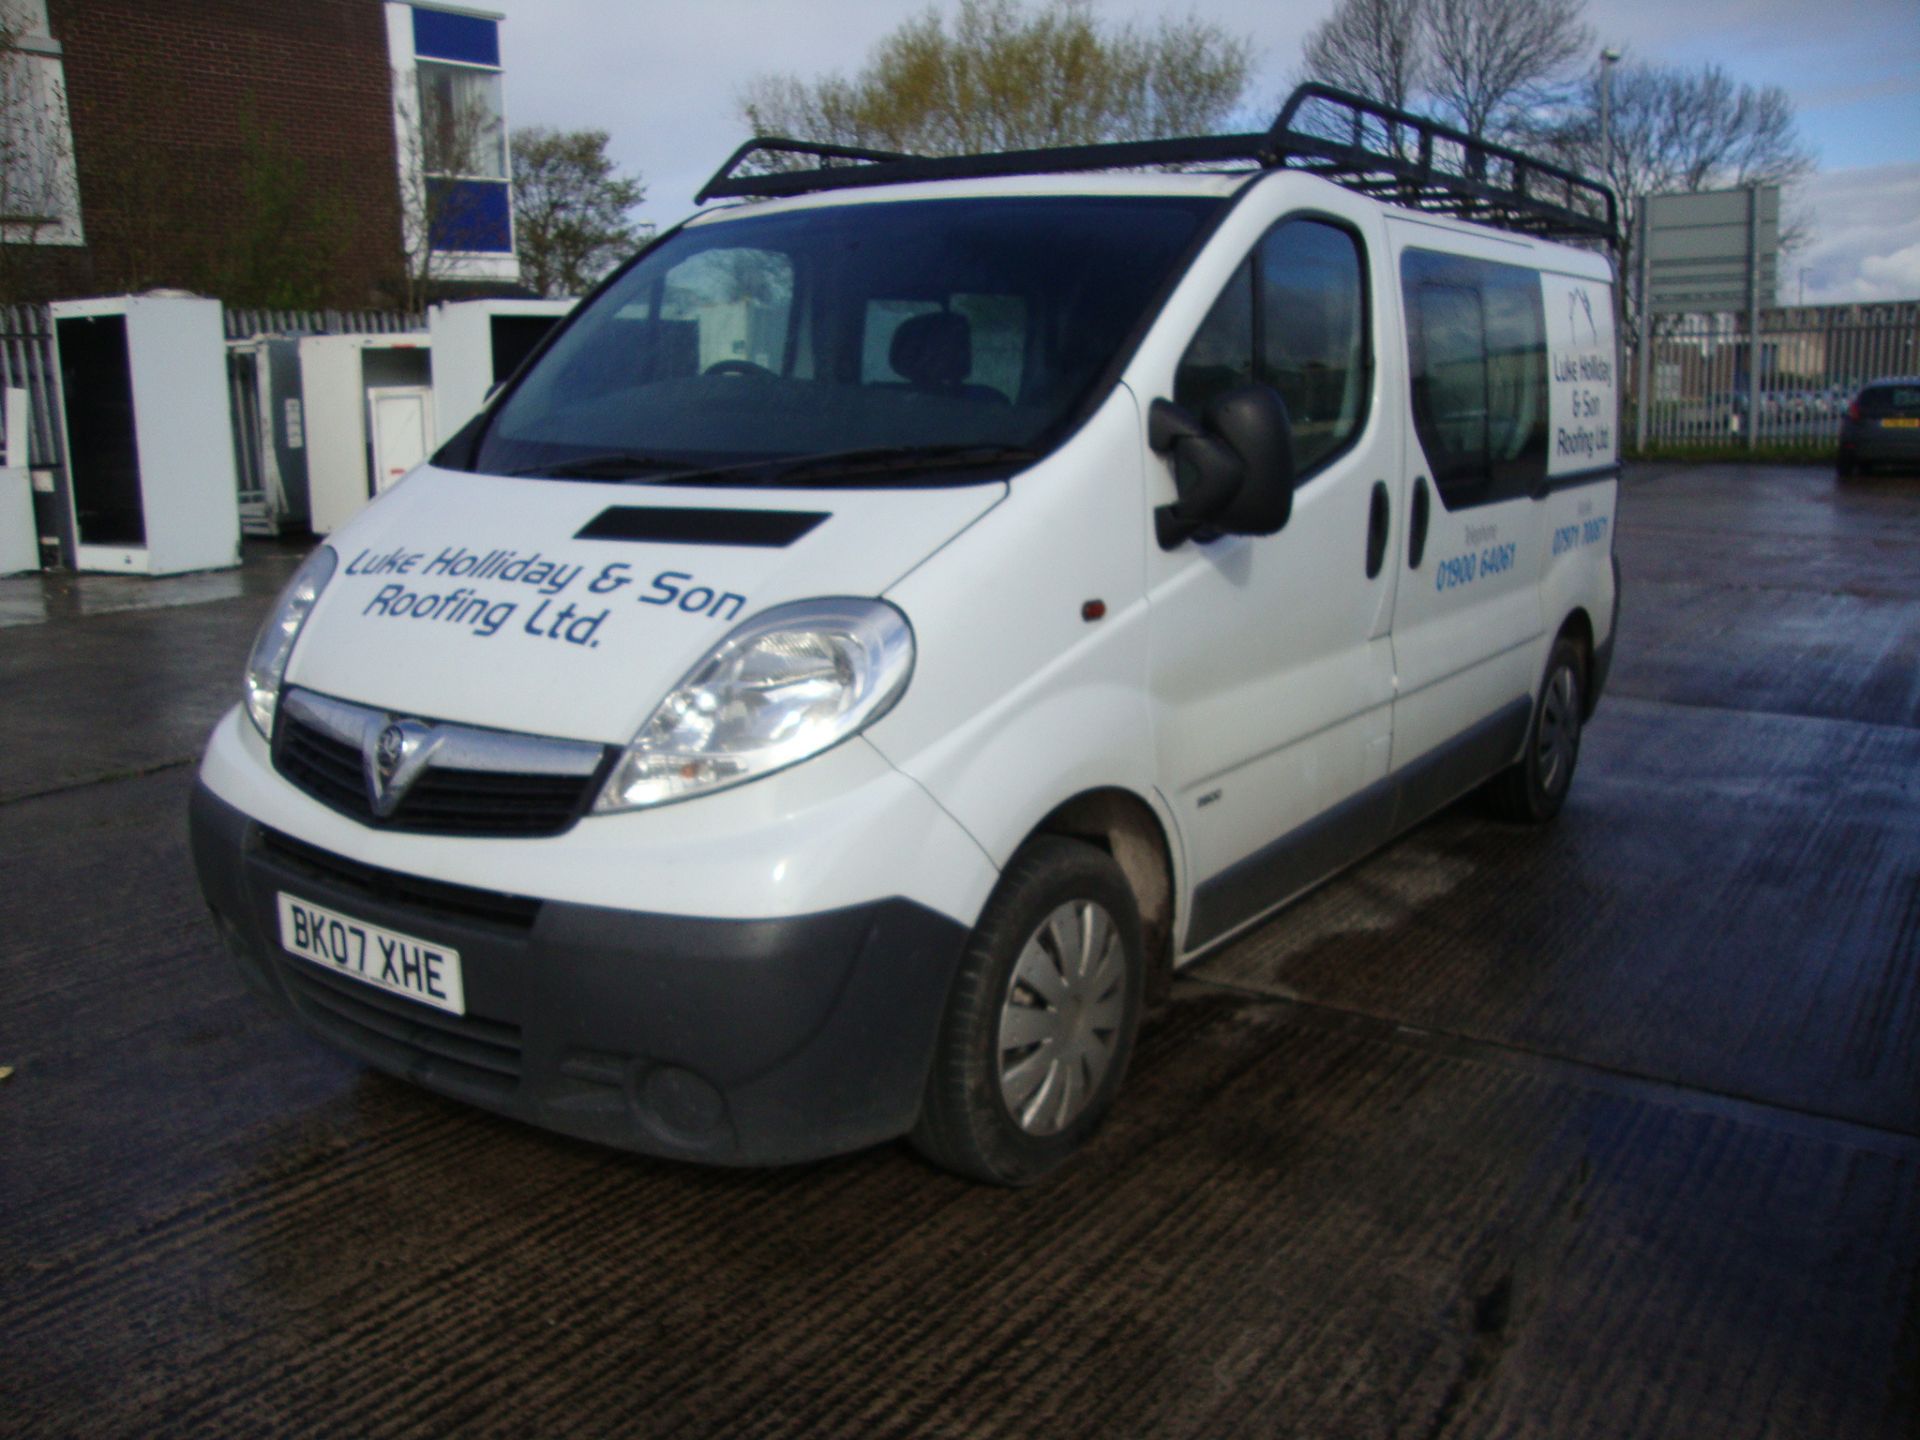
(607, 465)
(888, 459)
(867, 460)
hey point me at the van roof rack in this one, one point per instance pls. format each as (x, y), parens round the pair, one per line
(1376, 149)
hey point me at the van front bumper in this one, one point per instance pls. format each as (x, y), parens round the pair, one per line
(719, 1040)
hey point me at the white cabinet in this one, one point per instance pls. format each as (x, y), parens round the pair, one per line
(19, 534)
(479, 343)
(142, 397)
(339, 377)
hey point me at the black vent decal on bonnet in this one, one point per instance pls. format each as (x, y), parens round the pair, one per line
(763, 529)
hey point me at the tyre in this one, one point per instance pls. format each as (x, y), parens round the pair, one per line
(1041, 1021)
(1845, 467)
(1533, 789)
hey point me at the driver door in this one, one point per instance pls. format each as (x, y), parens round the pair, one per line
(1271, 664)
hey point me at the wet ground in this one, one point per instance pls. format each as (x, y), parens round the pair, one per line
(1607, 1130)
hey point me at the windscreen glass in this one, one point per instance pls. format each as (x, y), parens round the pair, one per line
(957, 327)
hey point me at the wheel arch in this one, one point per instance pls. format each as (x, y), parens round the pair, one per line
(1131, 831)
(1578, 627)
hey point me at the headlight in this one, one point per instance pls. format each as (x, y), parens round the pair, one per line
(786, 685)
(267, 664)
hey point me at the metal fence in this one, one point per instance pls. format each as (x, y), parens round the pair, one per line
(26, 350)
(26, 363)
(243, 323)
(254, 471)
(1813, 359)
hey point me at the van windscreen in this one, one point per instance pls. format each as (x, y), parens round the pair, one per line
(954, 328)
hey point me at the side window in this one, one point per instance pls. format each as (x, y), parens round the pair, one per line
(1221, 355)
(1478, 357)
(1450, 386)
(1516, 379)
(1313, 334)
(1293, 317)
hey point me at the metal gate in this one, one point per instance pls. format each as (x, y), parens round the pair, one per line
(249, 441)
(1813, 359)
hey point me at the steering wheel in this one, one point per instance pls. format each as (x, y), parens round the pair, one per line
(744, 368)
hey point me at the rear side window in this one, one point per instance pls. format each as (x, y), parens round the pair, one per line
(1890, 400)
(998, 334)
(1294, 316)
(1477, 344)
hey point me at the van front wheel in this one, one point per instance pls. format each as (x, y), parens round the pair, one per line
(1534, 787)
(1042, 1018)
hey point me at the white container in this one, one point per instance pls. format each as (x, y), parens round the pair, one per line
(142, 394)
(338, 374)
(479, 343)
(19, 540)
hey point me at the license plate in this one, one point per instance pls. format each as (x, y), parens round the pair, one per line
(403, 964)
(1900, 424)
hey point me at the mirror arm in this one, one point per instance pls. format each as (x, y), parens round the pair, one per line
(1168, 424)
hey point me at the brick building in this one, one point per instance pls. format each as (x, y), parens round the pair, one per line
(291, 153)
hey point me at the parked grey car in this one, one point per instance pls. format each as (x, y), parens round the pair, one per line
(1881, 426)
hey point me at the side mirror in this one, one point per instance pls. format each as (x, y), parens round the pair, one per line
(1207, 474)
(1233, 475)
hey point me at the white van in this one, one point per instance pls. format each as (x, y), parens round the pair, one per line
(893, 624)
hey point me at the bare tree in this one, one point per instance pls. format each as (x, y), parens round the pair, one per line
(1375, 48)
(1493, 62)
(1007, 77)
(1676, 129)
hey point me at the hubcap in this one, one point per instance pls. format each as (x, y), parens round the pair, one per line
(1558, 743)
(1062, 1017)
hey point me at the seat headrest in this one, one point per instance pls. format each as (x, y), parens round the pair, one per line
(933, 351)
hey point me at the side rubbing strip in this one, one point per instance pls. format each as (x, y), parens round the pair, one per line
(763, 529)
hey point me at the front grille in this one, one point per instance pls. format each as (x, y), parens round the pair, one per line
(481, 1054)
(391, 887)
(474, 802)
(320, 751)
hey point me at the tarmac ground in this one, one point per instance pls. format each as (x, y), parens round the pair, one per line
(1608, 1129)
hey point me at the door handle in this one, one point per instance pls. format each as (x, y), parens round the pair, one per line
(1377, 529)
(1417, 525)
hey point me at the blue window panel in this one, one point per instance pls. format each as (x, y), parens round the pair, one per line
(440, 36)
(471, 215)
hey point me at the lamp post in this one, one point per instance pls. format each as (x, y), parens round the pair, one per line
(1609, 57)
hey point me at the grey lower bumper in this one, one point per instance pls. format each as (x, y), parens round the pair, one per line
(726, 1041)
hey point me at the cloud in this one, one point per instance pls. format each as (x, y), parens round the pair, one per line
(1865, 242)
(664, 80)
(1898, 273)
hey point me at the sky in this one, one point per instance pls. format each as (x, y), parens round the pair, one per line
(664, 80)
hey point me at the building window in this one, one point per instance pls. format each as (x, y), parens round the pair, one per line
(455, 167)
(462, 133)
